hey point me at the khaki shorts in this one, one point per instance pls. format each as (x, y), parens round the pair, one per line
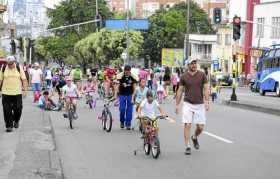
(193, 113)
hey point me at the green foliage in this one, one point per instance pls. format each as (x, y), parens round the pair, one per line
(106, 47)
(54, 47)
(168, 28)
(61, 46)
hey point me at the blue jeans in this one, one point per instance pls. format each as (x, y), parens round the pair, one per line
(36, 86)
(126, 109)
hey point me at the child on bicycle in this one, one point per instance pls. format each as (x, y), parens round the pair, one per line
(149, 106)
(70, 93)
(141, 92)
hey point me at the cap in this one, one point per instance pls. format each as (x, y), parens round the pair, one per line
(11, 59)
(190, 60)
(127, 68)
(36, 64)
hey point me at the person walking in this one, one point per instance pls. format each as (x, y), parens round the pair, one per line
(36, 77)
(194, 84)
(13, 85)
(126, 91)
(48, 77)
(166, 80)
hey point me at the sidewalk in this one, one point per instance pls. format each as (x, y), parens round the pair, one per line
(30, 151)
(252, 101)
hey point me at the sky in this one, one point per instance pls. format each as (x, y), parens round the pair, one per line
(51, 3)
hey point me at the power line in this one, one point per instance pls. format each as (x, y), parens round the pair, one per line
(73, 25)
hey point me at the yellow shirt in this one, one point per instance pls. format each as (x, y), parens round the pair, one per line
(12, 84)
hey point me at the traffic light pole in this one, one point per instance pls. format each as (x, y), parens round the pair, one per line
(234, 84)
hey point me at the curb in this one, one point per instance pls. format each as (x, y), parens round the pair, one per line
(56, 155)
(238, 104)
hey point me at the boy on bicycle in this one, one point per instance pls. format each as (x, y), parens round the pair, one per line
(149, 106)
(70, 93)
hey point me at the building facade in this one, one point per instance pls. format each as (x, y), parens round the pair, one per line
(266, 28)
(202, 48)
(141, 8)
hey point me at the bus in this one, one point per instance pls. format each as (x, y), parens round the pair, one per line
(268, 72)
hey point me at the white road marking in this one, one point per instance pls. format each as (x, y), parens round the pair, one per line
(218, 137)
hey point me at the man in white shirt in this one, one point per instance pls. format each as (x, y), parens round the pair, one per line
(36, 75)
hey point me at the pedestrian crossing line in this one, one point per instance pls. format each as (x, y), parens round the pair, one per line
(218, 137)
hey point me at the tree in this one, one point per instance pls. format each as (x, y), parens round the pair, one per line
(106, 47)
(72, 12)
(168, 28)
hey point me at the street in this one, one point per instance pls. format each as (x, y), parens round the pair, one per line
(237, 144)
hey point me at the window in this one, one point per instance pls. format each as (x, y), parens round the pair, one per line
(199, 48)
(271, 53)
(228, 39)
(275, 30)
(260, 27)
(277, 53)
(219, 39)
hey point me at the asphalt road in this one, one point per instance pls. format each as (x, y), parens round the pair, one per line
(237, 144)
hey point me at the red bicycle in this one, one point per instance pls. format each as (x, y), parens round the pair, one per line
(150, 137)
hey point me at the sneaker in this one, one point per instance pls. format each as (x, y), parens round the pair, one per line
(188, 151)
(195, 143)
(122, 125)
(128, 128)
(16, 125)
(9, 129)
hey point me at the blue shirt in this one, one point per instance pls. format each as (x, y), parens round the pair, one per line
(141, 94)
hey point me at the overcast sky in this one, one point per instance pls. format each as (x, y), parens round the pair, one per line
(51, 3)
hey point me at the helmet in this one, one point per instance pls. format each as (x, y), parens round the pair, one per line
(78, 66)
(68, 78)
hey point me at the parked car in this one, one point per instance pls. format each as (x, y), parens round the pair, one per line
(225, 80)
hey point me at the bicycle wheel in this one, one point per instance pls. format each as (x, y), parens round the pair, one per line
(147, 148)
(155, 147)
(109, 121)
(71, 117)
(104, 119)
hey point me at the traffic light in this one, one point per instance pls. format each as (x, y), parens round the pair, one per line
(217, 15)
(236, 28)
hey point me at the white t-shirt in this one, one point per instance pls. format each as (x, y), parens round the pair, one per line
(160, 86)
(148, 109)
(70, 91)
(48, 75)
(36, 75)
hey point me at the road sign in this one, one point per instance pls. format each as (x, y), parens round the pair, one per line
(133, 24)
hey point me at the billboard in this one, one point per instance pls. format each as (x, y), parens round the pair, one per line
(172, 57)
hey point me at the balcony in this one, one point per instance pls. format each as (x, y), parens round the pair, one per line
(3, 8)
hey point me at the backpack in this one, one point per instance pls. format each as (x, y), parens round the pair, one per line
(3, 71)
(77, 75)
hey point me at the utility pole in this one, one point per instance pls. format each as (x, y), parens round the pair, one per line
(187, 36)
(127, 33)
(97, 16)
